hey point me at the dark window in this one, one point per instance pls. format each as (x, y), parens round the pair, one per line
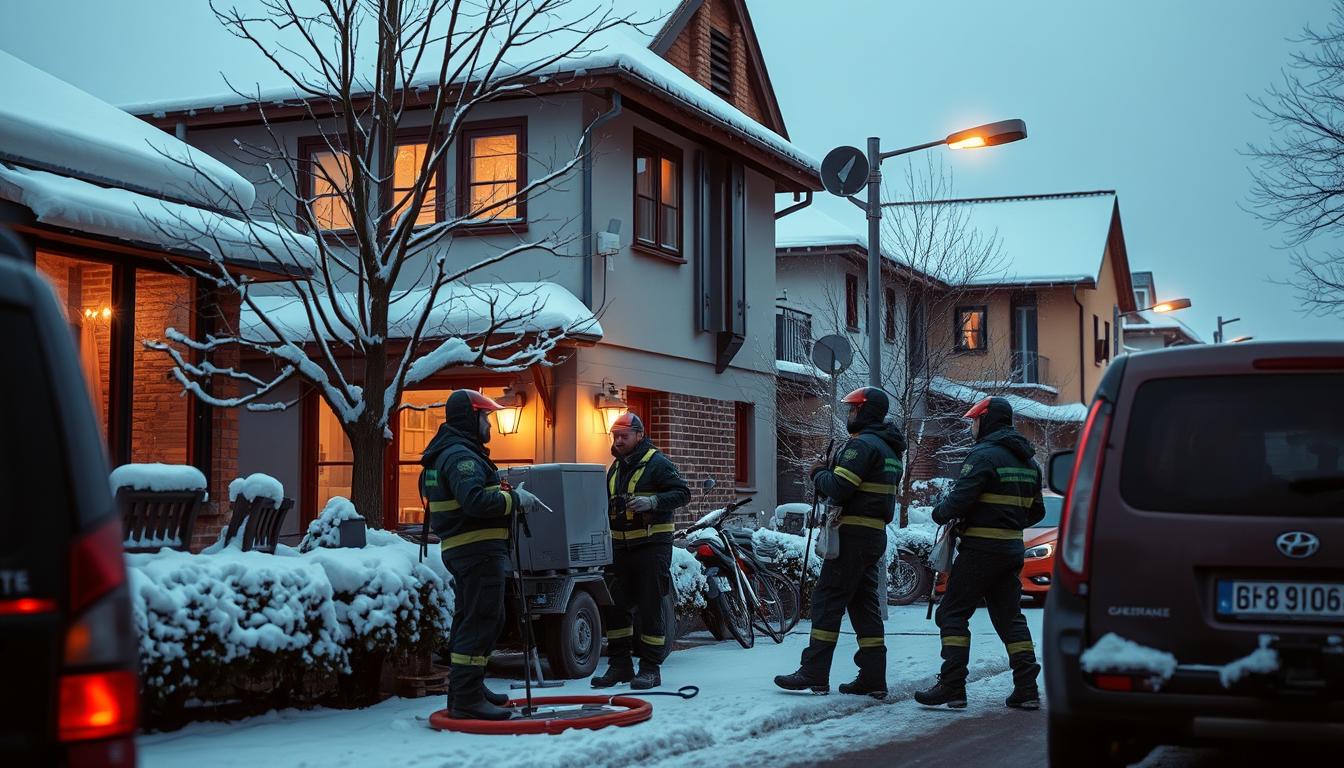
(852, 302)
(721, 64)
(1027, 363)
(915, 333)
(889, 319)
(1267, 445)
(1098, 347)
(745, 414)
(971, 329)
(658, 196)
(492, 170)
(1106, 340)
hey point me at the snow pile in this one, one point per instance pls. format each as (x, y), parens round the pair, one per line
(1113, 653)
(257, 486)
(1262, 661)
(1022, 406)
(917, 537)
(688, 581)
(157, 477)
(325, 531)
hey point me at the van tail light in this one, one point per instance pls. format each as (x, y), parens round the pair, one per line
(1080, 500)
(27, 606)
(1126, 683)
(97, 705)
(1298, 364)
(96, 565)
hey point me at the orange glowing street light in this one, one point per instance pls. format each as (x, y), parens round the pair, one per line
(1170, 306)
(988, 135)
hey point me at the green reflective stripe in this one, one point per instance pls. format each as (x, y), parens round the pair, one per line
(444, 506)
(850, 476)
(866, 522)
(1026, 646)
(892, 465)
(652, 639)
(825, 635)
(1002, 534)
(617, 634)
(1011, 501)
(431, 477)
(471, 537)
(1014, 473)
(883, 488)
(871, 642)
(470, 661)
(643, 533)
(957, 641)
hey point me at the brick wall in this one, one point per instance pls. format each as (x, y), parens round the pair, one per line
(697, 434)
(690, 53)
(160, 413)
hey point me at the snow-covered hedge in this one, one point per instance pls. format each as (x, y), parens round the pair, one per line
(325, 530)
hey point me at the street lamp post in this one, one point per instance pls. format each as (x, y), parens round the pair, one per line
(1161, 307)
(1218, 334)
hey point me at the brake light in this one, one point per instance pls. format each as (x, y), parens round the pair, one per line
(1299, 364)
(704, 550)
(96, 566)
(97, 705)
(1080, 500)
(26, 606)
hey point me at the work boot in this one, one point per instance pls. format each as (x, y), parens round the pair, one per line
(619, 670)
(647, 678)
(861, 687)
(479, 709)
(498, 699)
(1024, 697)
(954, 696)
(801, 681)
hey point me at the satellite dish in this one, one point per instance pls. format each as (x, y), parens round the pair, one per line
(832, 354)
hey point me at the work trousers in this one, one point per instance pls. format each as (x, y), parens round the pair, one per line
(478, 619)
(991, 575)
(638, 578)
(849, 583)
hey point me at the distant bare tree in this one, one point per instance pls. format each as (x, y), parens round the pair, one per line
(1300, 182)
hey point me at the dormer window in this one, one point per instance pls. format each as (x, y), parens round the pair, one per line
(721, 65)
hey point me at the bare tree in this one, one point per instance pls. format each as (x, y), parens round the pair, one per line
(388, 303)
(1300, 182)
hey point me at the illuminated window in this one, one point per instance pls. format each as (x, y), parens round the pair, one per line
(658, 219)
(493, 168)
(327, 176)
(970, 329)
(406, 168)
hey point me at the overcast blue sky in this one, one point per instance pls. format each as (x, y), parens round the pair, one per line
(1145, 97)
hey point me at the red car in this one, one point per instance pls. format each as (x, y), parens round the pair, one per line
(1039, 557)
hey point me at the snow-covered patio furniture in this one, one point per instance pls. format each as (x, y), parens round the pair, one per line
(261, 520)
(158, 504)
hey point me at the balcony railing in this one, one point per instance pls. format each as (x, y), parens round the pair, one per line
(793, 335)
(1030, 368)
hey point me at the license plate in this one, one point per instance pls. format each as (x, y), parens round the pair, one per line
(723, 583)
(1280, 600)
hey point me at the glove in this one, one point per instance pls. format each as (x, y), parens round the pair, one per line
(640, 504)
(527, 500)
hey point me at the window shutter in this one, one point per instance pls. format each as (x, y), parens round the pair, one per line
(737, 309)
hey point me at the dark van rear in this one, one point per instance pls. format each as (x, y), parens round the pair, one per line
(1204, 518)
(67, 647)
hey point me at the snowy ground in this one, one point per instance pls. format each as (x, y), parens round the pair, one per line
(739, 718)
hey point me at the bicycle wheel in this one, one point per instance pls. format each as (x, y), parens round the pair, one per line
(736, 618)
(768, 615)
(788, 597)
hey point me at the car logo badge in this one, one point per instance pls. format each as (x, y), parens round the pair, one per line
(1297, 544)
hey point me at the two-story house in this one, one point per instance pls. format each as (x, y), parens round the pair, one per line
(690, 154)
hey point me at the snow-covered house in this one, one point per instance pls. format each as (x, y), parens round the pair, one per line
(1153, 330)
(95, 199)
(686, 165)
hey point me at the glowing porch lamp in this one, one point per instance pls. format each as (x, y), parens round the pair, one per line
(508, 417)
(611, 405)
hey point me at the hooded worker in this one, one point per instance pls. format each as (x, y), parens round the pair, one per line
(996, 496)
(471, 511)
(862, 479)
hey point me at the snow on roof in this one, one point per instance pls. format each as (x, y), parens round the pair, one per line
(48, 123)
(1153, 321)
(61, 201)
(801, 369)
(459, 310)
(624, 48)
(1022, 406)
(811, 227)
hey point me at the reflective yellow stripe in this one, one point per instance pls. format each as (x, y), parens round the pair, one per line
(444, 506)
(471, 661)
(1012, 501)
(1026, 646)
(652, 639)
(643, 533)
(634, 479)
(867, 522)
(850, 476)
(825, 635)
(508, 502)
(617, 634)
(957, 641)
(871, 642)
(884, 488)
(471, 537)
(1003, 534)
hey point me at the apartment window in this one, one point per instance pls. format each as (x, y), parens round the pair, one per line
(889, 318)
(1141, 298)
(852, 302)
(1106, 339)
(916, 338)
(492, 169)
(326, 178)
(658, 206)
(1101, 340)
(721, 64)
(971, 329)
(745, 414)
(406, 165)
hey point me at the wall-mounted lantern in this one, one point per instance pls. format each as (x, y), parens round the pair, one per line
(611, 405)
(508, 417)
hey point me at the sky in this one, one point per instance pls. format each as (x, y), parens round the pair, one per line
(1149, 98)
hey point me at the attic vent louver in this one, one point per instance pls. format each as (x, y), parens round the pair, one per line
(721, 64)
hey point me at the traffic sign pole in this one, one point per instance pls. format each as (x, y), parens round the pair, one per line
(874, 262)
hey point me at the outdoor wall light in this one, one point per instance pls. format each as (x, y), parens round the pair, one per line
(93, 313)
(611, 405)
(508, 417)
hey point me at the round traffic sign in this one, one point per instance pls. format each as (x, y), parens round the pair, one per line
(832, 354)
(844, 171)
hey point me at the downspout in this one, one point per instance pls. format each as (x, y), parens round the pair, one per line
(1082, 375)
(589, 247)
(797, 206)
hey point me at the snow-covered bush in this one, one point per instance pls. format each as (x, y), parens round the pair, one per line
(918, 536)
(325, 530)
(688, 583)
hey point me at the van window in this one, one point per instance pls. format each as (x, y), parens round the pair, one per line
(32, 468)
(1266, 445)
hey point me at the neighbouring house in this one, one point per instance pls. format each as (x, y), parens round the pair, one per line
(1153, 330)
(93, 198)
(674, 294)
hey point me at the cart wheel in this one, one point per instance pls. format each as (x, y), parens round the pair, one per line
(574, 640)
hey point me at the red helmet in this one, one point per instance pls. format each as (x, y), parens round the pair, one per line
(480, 402)
(857, 397)
(627, 422)
(977, 410)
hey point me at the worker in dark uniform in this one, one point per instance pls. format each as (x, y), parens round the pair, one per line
(643, 490)
(472, 513)
(862, 479)
(997, 495)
